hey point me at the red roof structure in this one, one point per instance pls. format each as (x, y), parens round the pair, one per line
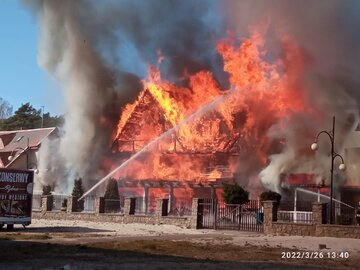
(13, 144)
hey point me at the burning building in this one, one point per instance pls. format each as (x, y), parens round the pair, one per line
(262, 79)
(190, 161)
(207, 149)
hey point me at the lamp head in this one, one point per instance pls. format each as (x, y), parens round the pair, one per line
(342, 167)
(10, 158)
(314, 146)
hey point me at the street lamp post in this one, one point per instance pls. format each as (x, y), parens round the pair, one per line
(314, 147)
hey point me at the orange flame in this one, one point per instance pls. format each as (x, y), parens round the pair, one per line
(262, 92)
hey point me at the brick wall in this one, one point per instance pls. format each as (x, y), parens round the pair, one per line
(289, 228)
(342, 231)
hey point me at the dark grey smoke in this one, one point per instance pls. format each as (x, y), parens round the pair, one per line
(328, 33)
(185, 32)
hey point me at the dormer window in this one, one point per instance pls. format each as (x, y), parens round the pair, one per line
(19, 139)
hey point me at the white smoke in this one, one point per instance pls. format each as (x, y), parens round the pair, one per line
(87, 84)
(48, 174)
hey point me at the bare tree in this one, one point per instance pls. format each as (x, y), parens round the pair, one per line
(5, 109)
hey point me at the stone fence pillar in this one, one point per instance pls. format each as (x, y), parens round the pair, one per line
(270, 215)
(194, 213)
(319, 213)
(99, 205)
(129, 206)
(47, 202)
(162, 207)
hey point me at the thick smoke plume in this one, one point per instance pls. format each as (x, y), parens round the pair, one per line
(99, 51)
(87, 82)
(328, 33)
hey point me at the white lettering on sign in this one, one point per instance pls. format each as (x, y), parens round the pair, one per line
(14, 177)
(9, 188)
(18, 197)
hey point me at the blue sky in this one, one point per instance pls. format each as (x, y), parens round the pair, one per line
(21, 78)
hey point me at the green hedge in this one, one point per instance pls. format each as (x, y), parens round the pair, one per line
(234, 194)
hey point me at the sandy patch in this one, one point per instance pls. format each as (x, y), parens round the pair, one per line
(61, 244)
(241, 238)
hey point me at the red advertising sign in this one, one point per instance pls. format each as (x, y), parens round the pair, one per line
(16, 189)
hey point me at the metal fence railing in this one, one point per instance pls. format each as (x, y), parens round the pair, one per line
(36, 201)
(58, 202)
(304, 206)
(89, 204)
(180, 210)
(145, 206)
(219, 215)
(140, 206)
(301, 212)
(295, 216)
(295, 211)
(114, 206)
(343, 214)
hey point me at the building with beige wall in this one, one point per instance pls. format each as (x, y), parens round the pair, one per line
(19, 149)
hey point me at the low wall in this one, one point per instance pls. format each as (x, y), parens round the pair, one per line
(118, 218)
(290, 228)
(342, 231)
(316, 228)
(160, 216)
(271, 225)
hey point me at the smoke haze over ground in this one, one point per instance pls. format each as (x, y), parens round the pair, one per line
(99, 51)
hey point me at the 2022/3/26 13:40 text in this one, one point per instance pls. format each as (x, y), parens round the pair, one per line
(315, 255)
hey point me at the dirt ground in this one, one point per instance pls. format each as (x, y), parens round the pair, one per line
(50, 244)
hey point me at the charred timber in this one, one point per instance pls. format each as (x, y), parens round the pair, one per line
(173, 183)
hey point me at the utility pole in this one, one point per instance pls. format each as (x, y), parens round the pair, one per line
(27, 153)
(42, 116)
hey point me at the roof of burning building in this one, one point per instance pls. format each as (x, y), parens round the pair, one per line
(301, 180)
(147, 119)
(144, 114)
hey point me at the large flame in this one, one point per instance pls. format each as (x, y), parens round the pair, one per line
(262, 92)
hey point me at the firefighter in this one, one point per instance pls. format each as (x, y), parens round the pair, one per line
(357, 215)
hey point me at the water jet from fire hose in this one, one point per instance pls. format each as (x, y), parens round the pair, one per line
(201, 111)
(322, 195)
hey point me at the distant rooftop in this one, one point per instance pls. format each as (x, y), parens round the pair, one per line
(10, 140)
(19, 140)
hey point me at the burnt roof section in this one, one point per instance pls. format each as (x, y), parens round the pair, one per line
(147, 121)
